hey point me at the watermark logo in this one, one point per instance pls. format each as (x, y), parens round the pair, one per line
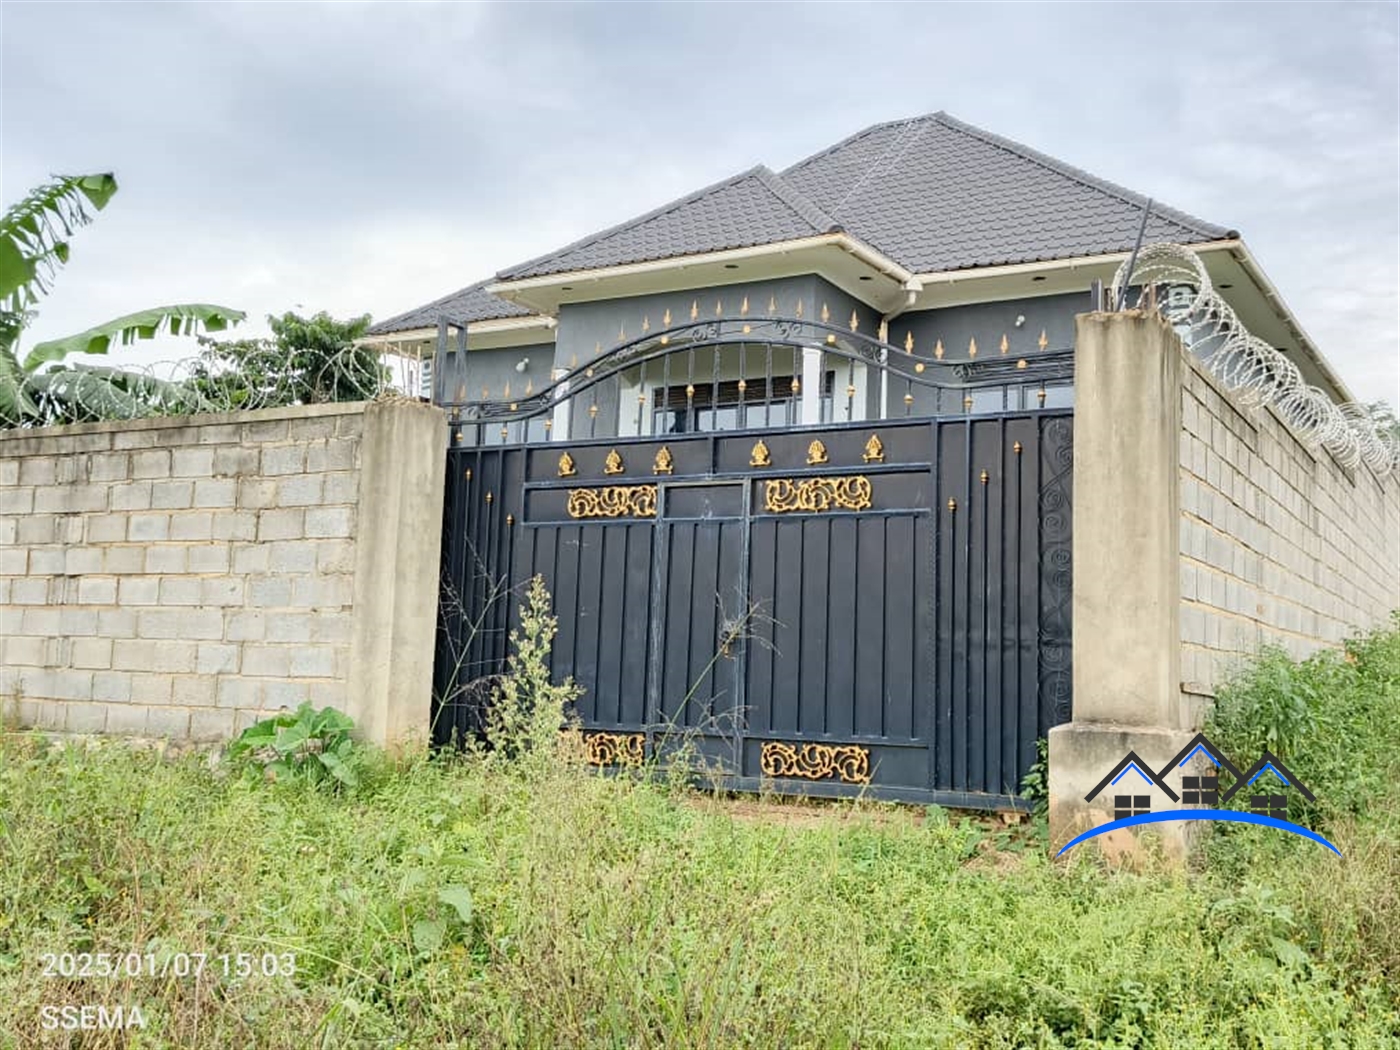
(1179, 791)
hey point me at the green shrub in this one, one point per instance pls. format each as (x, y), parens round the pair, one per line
(305, 745)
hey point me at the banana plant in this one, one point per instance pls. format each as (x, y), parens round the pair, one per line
(34, 245)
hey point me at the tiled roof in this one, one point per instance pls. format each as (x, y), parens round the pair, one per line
(753, 207)
(932, 193)
(472, 303)
(936, 194)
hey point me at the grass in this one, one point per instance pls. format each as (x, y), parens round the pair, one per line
(475, 902)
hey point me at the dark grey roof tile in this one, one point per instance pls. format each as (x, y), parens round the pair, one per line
(473, 303)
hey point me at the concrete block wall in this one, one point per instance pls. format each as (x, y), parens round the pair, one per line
(1279, 544)
(185, 577)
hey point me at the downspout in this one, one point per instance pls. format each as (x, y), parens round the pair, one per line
(912, 288)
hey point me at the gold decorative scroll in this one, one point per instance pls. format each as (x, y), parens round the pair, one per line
(566, 466)
(614, 749)
(613, 501)
(613, 464)
(760, 456)
(816, 761)
(816, 453)
(874, 450)
(664, 463)
(813, 495)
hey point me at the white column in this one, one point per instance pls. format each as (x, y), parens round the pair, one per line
(560, 430)
(811, 385)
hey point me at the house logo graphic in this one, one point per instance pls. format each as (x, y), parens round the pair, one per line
(1136, 792)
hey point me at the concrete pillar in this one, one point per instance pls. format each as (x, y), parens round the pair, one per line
(403, 461)
(811, 385)
(1126, 605)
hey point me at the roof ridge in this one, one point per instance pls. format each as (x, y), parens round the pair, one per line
(757, 171)
(1084, 178)
(854, 137)
(806, 209)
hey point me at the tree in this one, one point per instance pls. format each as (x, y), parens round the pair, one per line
(34, 246)
(308, 360)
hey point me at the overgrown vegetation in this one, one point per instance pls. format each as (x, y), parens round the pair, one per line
(306, 743)
(478, 901)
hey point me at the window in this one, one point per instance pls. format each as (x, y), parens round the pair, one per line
(1275, 806)
(729, 408)
(1131, 805)
(1200, 791)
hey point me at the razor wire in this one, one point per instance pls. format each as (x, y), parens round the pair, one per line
(1173, 280)
(206, 383)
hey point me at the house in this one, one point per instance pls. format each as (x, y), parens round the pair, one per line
(927, 233)
(1264, 799)
(1200, 788)
(1128, 780)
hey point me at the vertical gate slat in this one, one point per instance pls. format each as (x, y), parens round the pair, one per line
(844, 691)
(869, 627)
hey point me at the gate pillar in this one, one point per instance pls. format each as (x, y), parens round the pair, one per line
(1126, 590)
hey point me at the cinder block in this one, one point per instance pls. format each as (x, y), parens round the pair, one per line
(236, 461)
(246, 626)
(350, 425)
(269, 592)
(126, 719)
(312, 429)
(172, 495)
(303, 490)
(267, 661)
(340, 488)
(335, 556)
(239, 692)
(109, 466)
(264, 430)
(251, 558)
(85, 718)
(216, 658)
(138, 590)
(321, 592)
(211, 557)
(213, 724)
(19, 501)
(283, 459)
(80, 561)
(152, 656)
(151, 463)
(133, 439)
(281, 524)
(277, 694)
(116, 623)
(312, 662)
(97, 590)
(9, 530)
(194, 690)
(14, 561)
(38, 470)
(134, 495)
(235, 525)
(111, 686)
(145, 528)
(220, 434)
(151, 688)
(29, 590)
(91, 653)
(176, 590)
(327, 693)
(167, 559)
(289, 626)
(19, 650)
(106, 528)
(74, 622)
(36, 528)
(9, 472)
(329, 522)
(215, 492)
(221, 592)
(169, 722)
(192, 463)
(195, 525)
(180, 623)
(256, 493)
(71, 499)
(293, 556)
(331, 455)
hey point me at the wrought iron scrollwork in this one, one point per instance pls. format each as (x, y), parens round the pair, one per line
(813, 495)
(848, 762)
(613, 501)
(614, 749)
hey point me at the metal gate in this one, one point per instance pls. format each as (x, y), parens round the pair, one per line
(875, 606)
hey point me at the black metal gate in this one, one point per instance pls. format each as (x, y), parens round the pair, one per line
(873, 606)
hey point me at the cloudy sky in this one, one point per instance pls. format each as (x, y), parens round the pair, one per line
(368, 158)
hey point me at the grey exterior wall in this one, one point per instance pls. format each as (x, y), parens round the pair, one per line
(490, 371)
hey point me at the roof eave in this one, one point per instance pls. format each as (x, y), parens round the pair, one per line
(491, 326)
